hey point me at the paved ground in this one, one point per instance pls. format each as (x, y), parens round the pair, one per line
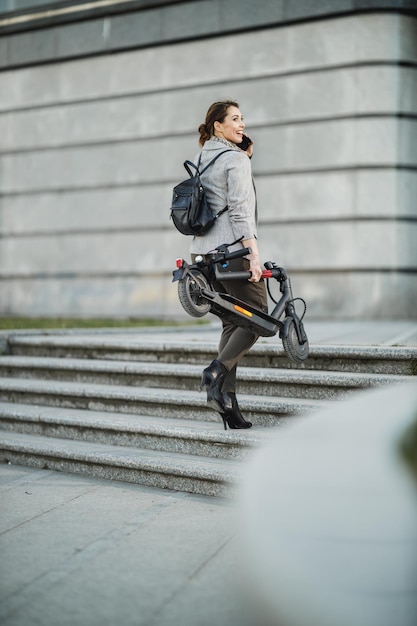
(78, 551)
(81, 551)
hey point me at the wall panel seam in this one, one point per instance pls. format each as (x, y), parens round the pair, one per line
(213, 83)
(173, 181)
(151, 138)
(140, 229)
(99, 232)
(168, 275)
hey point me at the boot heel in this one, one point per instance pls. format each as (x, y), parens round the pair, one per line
(224, 420)
(232, 414)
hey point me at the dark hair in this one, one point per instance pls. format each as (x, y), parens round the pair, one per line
(216, 113)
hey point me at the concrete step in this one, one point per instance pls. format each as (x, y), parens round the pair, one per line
(266, 353)
(261, 410)
(128, 407)
(255, 381)
(180, 472)
(137, 431)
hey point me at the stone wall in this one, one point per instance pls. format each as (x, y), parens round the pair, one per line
(93, 139)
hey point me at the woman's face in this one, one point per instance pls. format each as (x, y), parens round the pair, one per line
(232, 126)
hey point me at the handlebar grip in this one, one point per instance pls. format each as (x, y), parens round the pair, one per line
(233, 275)
(237, 254)
(243, 275)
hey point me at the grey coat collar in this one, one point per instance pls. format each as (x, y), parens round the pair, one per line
(220, 144)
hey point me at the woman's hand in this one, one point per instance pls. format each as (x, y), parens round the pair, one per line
(249, 151)
(256, 271)
(254, 267)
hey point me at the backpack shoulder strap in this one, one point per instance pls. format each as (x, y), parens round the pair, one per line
(214, 159)
(187, 164)
(221, 212)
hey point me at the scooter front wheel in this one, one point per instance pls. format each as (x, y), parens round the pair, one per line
(189, 294)
(296, 351)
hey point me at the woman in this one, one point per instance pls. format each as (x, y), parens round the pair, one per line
(228, 182)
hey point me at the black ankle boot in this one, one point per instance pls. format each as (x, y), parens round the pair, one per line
(231, 412)
(212, 380)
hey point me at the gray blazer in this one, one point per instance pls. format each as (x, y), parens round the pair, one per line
(227, 182)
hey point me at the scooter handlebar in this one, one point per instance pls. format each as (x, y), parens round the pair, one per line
(245, 275)
(237, 254)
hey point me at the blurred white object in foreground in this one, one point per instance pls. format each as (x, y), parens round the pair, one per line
(329, 514)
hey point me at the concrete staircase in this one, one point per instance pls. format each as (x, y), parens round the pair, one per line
(128, 407)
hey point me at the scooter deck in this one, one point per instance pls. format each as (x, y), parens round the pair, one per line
(238, 312)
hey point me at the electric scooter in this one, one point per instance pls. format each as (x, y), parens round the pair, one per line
(198, 297)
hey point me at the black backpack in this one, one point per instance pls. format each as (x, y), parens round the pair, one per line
(190, 211)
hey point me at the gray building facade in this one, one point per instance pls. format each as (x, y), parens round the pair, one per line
(99, 106)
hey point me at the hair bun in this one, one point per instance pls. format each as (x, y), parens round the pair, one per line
(204, 133)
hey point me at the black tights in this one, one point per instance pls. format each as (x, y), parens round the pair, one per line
(235, 342)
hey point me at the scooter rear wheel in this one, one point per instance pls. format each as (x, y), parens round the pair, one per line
(296, 351)
(189, 294)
